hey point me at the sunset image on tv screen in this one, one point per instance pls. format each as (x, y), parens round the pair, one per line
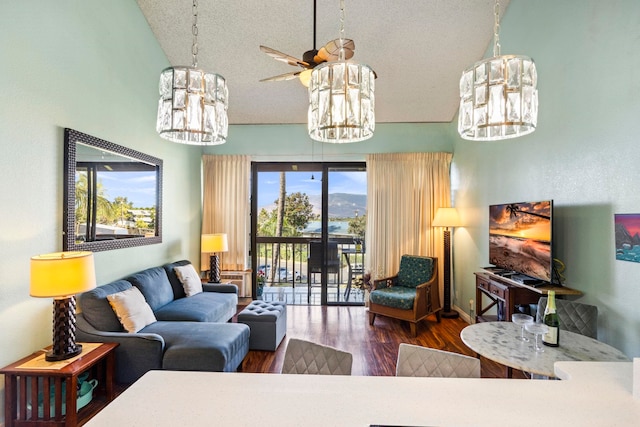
(520, 238)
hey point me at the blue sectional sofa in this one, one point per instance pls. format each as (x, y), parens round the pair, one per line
(190, 333)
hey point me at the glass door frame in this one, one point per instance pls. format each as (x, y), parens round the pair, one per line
(324, 168)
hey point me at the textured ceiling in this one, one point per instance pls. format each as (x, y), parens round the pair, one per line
(418, 48)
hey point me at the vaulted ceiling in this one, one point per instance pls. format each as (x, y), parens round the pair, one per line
(418, 48)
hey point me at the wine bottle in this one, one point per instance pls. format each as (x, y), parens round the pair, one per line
(552, 337)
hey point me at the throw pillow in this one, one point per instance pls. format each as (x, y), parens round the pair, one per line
(132, 309)
(190, 279)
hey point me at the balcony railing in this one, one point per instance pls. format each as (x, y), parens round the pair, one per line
(285, 265)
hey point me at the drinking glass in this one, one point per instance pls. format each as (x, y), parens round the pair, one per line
(521, 319)
(537, 329)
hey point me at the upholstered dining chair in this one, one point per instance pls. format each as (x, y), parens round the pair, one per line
(574, 316)
(410, 295)
(417, 361)
(305, 357)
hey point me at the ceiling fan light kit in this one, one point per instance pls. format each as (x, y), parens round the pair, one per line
(193, 103)
(498, 96)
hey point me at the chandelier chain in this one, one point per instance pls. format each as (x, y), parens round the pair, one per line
(194, 31)
(496, 30)
(342, 14)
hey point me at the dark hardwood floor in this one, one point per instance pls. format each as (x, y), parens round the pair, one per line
(374, 348)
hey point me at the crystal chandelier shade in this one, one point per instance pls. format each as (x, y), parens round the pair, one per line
(341, 99)
(341, 102)
(193, 103)
(499, 95)
(193, 106)
(498, 99)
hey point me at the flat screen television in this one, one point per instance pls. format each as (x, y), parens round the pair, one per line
(520, 238)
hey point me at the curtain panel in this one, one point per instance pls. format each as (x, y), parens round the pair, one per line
(404, 192)
(226, 207)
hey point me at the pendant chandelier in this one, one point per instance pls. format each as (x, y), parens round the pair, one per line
(193, 103)
(498, 96)
(341, 99)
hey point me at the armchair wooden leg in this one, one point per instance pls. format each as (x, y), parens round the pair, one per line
(372, 318)
(414, 329)
(438, 316)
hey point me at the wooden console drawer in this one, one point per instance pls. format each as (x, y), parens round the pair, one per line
(483, 284)
(497, 290)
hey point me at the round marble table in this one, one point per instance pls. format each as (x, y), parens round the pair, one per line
(497, 341)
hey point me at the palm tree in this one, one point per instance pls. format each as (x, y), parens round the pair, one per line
(123, 205)
(514, 210)
(104, 208)
(279, 223)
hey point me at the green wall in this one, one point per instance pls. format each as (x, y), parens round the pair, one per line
(292, 143)
(584, 154)
(91, 66)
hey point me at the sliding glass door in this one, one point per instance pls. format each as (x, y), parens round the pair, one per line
(309, 249)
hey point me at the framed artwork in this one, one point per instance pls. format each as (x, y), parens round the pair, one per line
(627, 231)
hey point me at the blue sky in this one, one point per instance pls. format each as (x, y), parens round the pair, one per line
(339, 182)
(137, 187)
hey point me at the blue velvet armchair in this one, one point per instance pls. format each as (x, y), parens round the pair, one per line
(410, 295)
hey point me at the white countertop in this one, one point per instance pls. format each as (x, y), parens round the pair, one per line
(594, 394)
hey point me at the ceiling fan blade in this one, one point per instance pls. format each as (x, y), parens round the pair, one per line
(282, 77)
(283, 57)
(331, 51)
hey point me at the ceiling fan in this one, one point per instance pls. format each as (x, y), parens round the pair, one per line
(311, 58)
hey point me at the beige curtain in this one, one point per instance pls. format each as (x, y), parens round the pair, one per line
(226, 207)
(404, 192)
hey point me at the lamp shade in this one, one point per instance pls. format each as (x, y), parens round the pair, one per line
(446, 217)
(211, 243)
(62, 274)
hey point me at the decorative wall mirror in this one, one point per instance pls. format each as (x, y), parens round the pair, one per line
(112, 195)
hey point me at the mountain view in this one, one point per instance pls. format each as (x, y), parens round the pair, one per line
(341, 205)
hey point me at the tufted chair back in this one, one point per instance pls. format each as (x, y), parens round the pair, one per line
(574, 316)
(305, 357)
(417, 361)
(414, 270)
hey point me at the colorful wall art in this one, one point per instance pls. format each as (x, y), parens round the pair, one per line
(627, 230)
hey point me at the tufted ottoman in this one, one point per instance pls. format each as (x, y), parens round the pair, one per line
(268, 324)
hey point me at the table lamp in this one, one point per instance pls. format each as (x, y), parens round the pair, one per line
(60, 276)
(212, 244)
(447, 217)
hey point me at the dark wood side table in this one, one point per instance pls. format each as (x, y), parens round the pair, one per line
(29, 402)
(505, 294)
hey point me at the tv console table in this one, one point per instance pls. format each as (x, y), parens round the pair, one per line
(504, 294)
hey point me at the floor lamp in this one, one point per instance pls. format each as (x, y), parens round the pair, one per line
(60, 276)
(447, 217)
(212, 244)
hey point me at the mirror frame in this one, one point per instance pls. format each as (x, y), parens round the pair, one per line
(69, 194)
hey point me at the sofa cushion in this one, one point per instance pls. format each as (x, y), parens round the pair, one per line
(154, 285)
(202, 346)
(202, 307)
(132, 310)
(396, 296)
(176, 285)
(190, 280)
(96, 308)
